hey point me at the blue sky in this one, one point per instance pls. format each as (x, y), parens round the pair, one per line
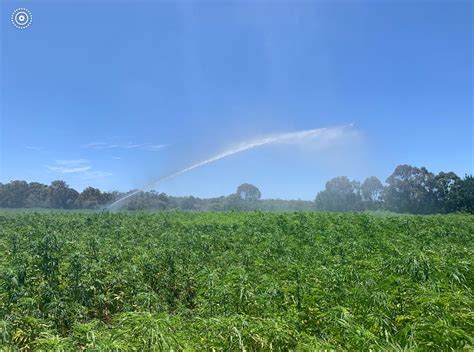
(116, 94)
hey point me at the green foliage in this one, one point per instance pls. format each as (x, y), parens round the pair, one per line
(409, 190)
(340, 194)
(248, 192)
(235, 281)
(418, 191)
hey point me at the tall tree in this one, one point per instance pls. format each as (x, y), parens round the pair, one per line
(248, 192)
(61, 195)
(14, 194)
(90, 198)
(340, 194)
(463, 194)
(411, 190)
(37, 196)
(447, 186)
(371, 192)
(189, 203)
(372, 189)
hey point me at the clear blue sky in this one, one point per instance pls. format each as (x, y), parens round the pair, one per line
(115, 94)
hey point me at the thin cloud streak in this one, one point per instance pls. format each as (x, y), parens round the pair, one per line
(69, 170)
(71, 162)
(77, 167)
(156, 147)
(143, 146)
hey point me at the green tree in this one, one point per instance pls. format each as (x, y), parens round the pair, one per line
(462, 195)
(371, 192)
(14, 194)
(411, 190)
(340, 194)
(248, 192)
(37, 195)
(61, 195)
(91, 197)
(448, 185)
(189, 203)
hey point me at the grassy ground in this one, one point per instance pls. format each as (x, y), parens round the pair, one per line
(235, 281)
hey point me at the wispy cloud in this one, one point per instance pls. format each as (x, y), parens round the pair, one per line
(72, 162)
(142, 146)
(78, 167)
(100, 145)
(69, 170)
(155, 147)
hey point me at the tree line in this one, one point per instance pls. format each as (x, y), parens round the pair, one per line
(408, 190)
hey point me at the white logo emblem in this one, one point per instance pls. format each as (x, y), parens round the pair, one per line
(21, 18)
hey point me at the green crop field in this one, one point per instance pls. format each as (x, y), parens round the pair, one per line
(235, 281)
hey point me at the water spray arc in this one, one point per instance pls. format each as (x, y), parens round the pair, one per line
(291, 137)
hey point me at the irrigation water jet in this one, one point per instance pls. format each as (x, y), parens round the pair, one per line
(291, 137)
